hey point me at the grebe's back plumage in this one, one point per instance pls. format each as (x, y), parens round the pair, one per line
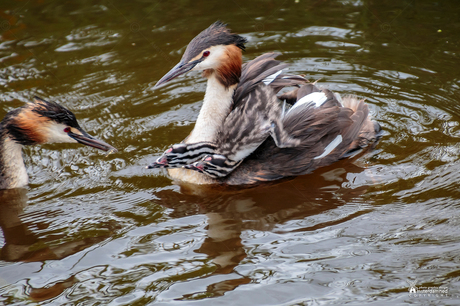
(325, 126)
(37, 122)
(327, 134)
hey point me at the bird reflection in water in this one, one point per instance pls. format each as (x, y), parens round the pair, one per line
(23, 242)
(231, 212)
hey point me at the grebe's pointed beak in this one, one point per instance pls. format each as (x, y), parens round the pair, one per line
(176, 71)
(88, 140)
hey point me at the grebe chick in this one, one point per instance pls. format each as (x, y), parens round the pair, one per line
(38, 122)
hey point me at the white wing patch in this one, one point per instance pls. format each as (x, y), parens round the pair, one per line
(315, 97)
(328, 149)
(271, 77)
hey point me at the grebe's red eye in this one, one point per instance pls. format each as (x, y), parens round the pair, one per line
(206, 53)
(67, 130)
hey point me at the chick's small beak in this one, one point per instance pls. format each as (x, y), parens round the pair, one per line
(86, 139)
(176, 71)
(161, 162)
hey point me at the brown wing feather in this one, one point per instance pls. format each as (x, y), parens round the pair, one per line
(243, 126)
(296, 94)
(287, 80)
(257, 70)
(290, 96)
(317, 128)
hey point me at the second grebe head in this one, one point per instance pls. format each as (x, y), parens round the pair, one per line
(43, 122)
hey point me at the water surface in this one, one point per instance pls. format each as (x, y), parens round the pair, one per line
(96, 230)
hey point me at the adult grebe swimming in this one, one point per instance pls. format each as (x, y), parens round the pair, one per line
(243, 135)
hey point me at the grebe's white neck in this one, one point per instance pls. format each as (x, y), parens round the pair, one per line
(216, 107)
(13, 173)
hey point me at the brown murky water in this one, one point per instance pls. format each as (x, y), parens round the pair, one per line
(96, 230)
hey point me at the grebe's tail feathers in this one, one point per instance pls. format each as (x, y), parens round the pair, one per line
(369, 132)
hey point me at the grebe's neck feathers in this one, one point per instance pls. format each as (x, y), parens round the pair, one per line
(224, 63)
(216, 106)
(12, 170)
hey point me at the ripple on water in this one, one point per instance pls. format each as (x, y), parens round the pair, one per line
(101, 230)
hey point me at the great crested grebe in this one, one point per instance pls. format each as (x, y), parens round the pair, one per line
(37, 122)
(230, 142)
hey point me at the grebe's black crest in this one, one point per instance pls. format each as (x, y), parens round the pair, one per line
(216, 34)
(215, 51)
(55, 112)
